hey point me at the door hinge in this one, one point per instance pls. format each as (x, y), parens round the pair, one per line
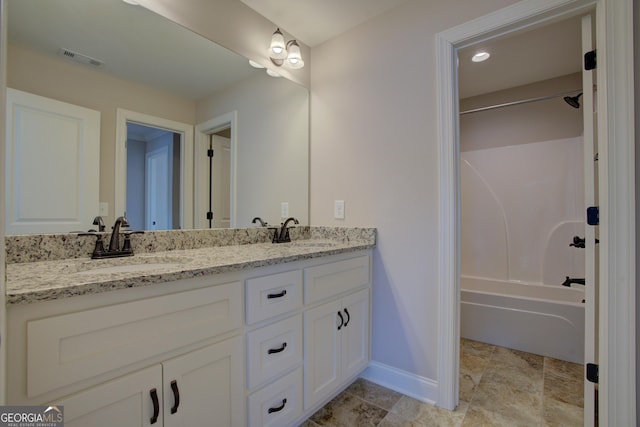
(590, 60)
(592, 373)
(209, 152)
(593, 215)
(209, 215)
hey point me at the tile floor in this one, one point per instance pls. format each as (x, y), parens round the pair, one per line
(498, 387)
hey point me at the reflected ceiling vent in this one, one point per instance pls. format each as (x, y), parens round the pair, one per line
(80, 58)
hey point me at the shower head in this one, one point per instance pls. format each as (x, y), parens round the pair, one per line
(573, 100)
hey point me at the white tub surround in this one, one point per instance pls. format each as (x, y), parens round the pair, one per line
(540, 319)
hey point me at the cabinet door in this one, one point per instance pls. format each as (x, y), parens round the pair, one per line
(355, 333)
(322, 351)
(205, 387)
(126, 402)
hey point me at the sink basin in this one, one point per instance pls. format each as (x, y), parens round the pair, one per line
(129, 268)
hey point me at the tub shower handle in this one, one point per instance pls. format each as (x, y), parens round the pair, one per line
(568, 281)
(579, 242)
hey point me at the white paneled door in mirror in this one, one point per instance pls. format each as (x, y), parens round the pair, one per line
(52, 165)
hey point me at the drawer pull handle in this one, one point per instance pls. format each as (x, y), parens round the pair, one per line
(156, 405)
(176, 396)
(278, 295)
(348, 317)
(279, 408)
(341, 321)
(277, 350)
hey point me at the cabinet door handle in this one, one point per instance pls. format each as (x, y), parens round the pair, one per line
(278, 295)
(348, 317)
(277, 350)
(341, 320)
(176, 396)
(278, 408)
(156, 405)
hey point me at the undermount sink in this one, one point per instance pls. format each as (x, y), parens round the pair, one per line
(128, 268)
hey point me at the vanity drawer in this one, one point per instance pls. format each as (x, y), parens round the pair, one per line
(273, 349)
(278, 404)
(269, 296)
(327, 280)
(65, 349)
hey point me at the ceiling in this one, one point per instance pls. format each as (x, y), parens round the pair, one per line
(316, 21)
(102, 29)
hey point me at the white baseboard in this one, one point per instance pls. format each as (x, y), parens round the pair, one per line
(407, 383)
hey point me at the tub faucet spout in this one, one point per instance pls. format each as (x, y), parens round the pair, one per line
(569, 281)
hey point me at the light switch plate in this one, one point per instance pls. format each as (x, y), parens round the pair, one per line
(338, 209)
(284, 210)
(104, 209)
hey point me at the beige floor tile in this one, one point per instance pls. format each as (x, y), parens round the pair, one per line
(508, 401)
(563, 389)
(524, 377)
(563, 369)
(517, 358)
(374, 393)
(479, 417)
(561, 414)
(308, 423)
(347, 410)
(424, 414)
(475, 348)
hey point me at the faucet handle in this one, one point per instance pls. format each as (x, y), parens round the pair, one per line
(98, 249)
(126, 246)
(99, 222)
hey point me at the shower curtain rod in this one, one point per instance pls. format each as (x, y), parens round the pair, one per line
(523, 101)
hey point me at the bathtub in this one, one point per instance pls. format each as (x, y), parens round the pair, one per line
(539, 319)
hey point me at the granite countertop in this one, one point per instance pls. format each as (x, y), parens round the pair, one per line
(49, 280)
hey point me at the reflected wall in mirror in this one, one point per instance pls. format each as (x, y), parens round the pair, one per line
(150, 65)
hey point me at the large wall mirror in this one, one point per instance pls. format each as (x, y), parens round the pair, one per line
(165, 96)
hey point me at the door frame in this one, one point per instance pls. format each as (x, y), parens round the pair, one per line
(616, 179)
(186, 160)
(202, 132)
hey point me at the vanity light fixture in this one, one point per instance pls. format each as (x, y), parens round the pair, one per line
(480, 56)
(285, 54)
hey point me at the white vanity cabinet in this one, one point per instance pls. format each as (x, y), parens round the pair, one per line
(336, 333)
(336, 344)
(145, 357)
(257, 347)
(197, 389)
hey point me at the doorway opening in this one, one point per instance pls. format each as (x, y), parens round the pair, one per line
(507, 21)
(153, 178)
(215, 172)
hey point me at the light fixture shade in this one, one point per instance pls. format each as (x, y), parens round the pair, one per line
(277, 48)
(294, 58)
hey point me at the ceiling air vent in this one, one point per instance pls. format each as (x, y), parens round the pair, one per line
(78, 57)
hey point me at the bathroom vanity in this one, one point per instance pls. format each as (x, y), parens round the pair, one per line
(257, 334)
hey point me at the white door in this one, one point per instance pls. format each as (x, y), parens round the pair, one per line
(221, 182)
(48, 138)
(206, 387)
(322, 327)
(355, 333)
(591, 232)
(158, 189)
(130, 401)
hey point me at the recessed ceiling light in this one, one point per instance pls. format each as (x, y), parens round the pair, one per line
(480, 56)
(254, 64)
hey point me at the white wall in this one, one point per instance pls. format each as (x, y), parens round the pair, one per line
(374, 145)
(272, 142)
